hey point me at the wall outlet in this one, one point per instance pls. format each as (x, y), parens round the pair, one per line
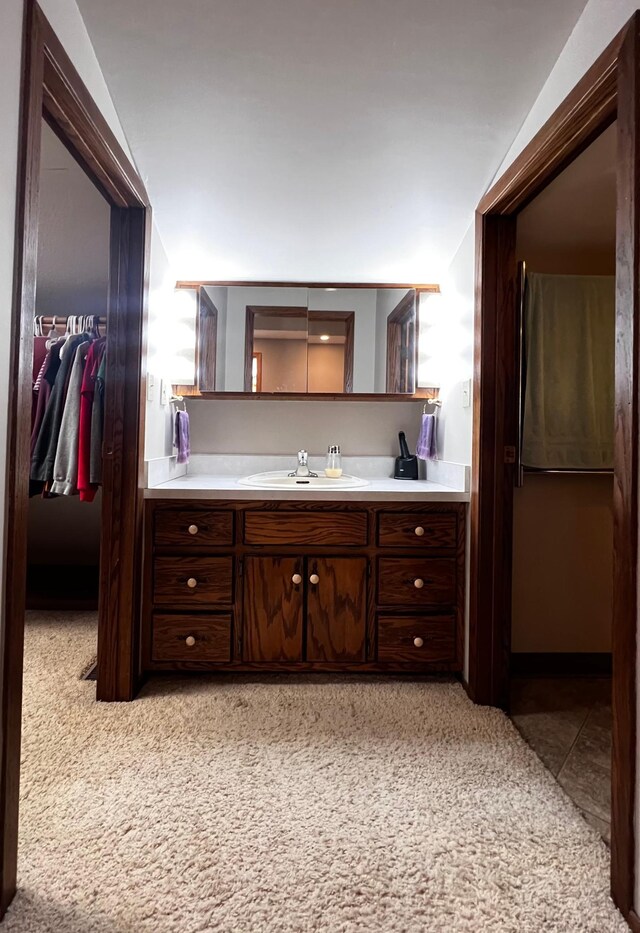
(165, 394)
(151, 387)
(466, 393)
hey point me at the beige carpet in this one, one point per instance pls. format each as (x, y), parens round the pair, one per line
(305, 805)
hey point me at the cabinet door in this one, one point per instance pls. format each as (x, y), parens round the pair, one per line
(336, 608)
(273, 601)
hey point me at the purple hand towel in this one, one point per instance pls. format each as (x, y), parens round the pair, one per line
(181, 440)
(426, 446)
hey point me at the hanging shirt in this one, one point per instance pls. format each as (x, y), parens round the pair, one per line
(86, 488)
(40, 353)
(44, 453)
(51, 366)
(65, 469)
(97, 425)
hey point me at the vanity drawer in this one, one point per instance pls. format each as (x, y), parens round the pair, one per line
(417, 530)
(282, 528)
(416, 581)
(191, 638)
(191, 528)
(423, 639)
(184, 582)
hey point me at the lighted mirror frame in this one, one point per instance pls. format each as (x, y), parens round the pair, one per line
(206, 329)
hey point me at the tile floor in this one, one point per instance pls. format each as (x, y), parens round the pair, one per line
(567, 721)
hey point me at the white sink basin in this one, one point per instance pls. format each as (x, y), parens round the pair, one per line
(279, 479)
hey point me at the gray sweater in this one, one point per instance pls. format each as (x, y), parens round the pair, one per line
(65, 469)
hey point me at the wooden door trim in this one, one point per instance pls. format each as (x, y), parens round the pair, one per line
(626, 465)
(51, 88)
(608, 90)
(249, 329)
(206, 341)
(401, 314)
(349, 319)
(586, 111)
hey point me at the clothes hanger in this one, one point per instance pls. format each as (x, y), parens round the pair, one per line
(52, 336)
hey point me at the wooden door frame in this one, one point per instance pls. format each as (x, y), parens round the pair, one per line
(251, 312)
(51, 88)
(609, 90)
(348, 318)
(407, 307)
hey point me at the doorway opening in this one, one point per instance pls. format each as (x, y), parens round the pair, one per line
(607, 93)
(562, 578)
(71, 306)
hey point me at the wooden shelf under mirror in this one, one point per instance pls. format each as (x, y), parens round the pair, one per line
(273, 340)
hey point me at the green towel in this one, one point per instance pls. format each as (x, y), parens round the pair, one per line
(569, 372)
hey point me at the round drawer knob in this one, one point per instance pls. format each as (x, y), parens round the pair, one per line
(296, 578)
(192, 583)
(418, 642)
(419, 531)
(418, 583)
(190, 641)
(314, 578)
(193, 529)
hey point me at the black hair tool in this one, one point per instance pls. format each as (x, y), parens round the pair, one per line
(406, 465)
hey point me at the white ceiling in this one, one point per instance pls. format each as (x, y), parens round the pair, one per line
(321, 139)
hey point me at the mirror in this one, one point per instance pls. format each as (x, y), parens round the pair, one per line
(294, 340)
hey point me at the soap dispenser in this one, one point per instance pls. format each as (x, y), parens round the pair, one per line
(333, 469)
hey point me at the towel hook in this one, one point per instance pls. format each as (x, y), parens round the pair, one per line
(436, 402)
(177, 399)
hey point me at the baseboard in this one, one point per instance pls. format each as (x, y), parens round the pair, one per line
(634, 921)
(466, 687)
(561, 664)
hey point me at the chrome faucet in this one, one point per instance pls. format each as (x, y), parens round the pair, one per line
(303, 465)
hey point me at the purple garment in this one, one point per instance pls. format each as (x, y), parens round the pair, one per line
(51, 367)
(181, 440)
(426, 447)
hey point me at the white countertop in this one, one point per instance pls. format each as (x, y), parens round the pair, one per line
(211, 486)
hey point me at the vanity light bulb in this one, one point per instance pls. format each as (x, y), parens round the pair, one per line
(324, 336)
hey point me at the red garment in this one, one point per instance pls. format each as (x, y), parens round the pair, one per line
(87, 489)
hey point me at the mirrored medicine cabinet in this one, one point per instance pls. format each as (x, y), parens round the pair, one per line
(269, 341)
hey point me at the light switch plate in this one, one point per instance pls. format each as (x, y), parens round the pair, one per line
(466, 393)
(165, 395)
(151, 387)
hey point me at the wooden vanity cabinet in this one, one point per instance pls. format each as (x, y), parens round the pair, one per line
(263, 585)
(337, 608)
(322, 598)
(273, 609)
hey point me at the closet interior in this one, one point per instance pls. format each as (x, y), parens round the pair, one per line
(68, 385)
(562, 586)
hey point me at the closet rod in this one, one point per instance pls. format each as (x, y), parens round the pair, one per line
(50, 318)
(532, 471)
